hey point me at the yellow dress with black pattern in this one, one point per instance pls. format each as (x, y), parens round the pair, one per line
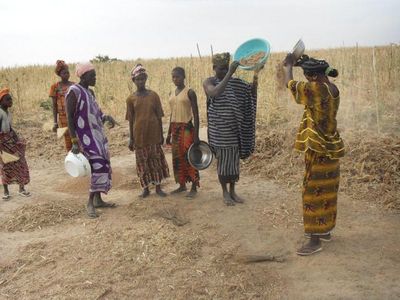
(319, 139)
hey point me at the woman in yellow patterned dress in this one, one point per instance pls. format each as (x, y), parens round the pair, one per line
(319, 139)
(57, 93)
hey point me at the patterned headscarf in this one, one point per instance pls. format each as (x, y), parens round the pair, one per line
(312, 65)
(60, 65)
(221, 59)
(83, 68)
(137, 70)
(3, 92)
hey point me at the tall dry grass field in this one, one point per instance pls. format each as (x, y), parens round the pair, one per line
(368, 80)
(369, 96)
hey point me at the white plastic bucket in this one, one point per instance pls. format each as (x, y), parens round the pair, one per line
(77, 165)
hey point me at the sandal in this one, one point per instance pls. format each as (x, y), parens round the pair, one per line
(6, 197)
(306, 251)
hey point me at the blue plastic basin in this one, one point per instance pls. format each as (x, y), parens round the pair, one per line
(251, 47)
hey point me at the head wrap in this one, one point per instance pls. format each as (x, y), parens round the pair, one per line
(137, 70)
(221, 59)
(60, 65)
(3, 92)
(312, 65)
(83, 68)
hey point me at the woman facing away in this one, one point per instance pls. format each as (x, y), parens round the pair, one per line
(144, 113)
(57, 93)
(85, 123)
(319, 139)
(182, 133)
(16, 172)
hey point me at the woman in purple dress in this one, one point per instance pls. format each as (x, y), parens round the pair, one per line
(85, 123)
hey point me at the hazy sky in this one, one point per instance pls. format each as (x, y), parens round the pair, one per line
(42, 31)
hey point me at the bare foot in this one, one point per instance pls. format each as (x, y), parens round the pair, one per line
(323, 237)
(313, 246)
(91, 211)
(236, 198)
(103, 204)
(179, 190)
(145, 193)
(227, 199)
(161, 193)
(191, 194)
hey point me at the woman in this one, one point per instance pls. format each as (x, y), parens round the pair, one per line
(144, 113)
(17, 171)
(57, 93)
(85, 123)
(183, 103)
(319, 139)
(231, 112)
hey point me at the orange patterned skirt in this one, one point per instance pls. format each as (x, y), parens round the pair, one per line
(182, 137)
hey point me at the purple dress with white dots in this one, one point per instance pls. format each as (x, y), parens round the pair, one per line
(93, 142)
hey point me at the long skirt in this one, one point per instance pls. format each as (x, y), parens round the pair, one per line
(228, 163)
(63, 122)
(182, 138)
(320, 188)
(14, 172)
(151, 165)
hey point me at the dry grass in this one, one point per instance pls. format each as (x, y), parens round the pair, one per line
(36, 216)
(369, 103)
(31, 84)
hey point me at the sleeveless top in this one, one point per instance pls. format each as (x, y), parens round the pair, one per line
(181, 108)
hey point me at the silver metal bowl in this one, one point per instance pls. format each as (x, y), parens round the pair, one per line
(200, 156)
(298, 49)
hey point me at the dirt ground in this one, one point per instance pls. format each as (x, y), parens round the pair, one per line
(175, 248)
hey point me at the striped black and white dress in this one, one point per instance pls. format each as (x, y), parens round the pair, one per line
(231, 126)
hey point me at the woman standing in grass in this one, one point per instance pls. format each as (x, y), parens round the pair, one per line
(183, 103)
(319, 139)
(57, 93)
(144, 113)
(16, 171)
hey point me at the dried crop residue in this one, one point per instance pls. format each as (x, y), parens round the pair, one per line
(36, 216)
(370, 168)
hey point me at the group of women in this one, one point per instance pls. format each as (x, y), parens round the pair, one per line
(231, 116)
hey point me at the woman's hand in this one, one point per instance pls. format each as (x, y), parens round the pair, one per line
(196, 140)
(110, 120)
(131, 144)
(75, 148)
(258, 68)
(233, 66)
(289, 60)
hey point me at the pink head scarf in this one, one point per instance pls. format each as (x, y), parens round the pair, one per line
(83, 68)
(137, 70)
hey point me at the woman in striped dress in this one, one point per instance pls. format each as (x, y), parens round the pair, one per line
(182, 131)
(319, 139)
(231, 112)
